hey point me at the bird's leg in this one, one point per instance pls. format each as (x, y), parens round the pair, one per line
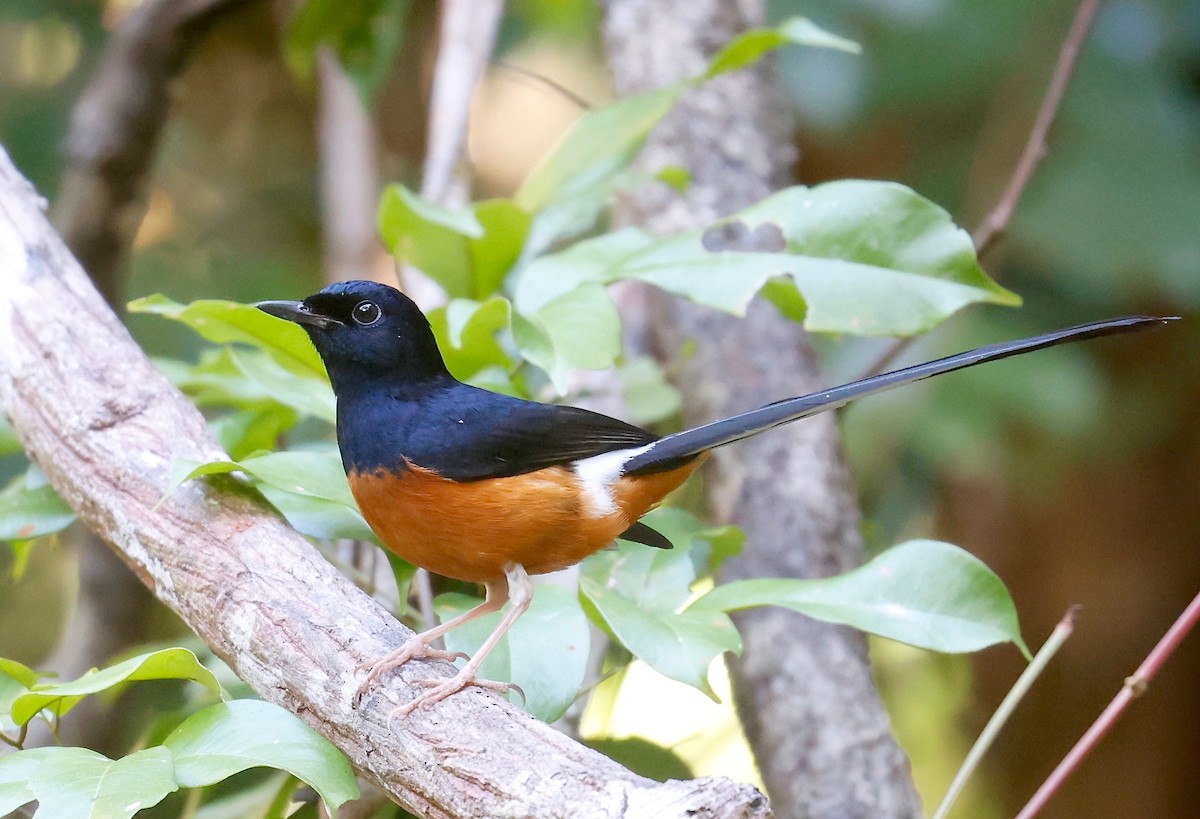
(519, 590)
(420, 645)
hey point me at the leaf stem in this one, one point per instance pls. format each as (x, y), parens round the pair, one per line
(1020, 688)
(1133, 687)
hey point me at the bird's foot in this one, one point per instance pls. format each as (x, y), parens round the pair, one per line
(440, 689)
(414, 648)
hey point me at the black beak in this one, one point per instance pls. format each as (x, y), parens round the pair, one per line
(298, 312)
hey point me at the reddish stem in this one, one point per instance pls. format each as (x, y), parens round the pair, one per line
(1135, 686)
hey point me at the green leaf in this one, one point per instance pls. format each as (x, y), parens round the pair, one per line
(870, 258)
(572, 185)
(167, 664)
(231, 737)
(579, 328)
(253, 430)
(466, 333)
(15, 680)
(545, 652)
(638, 595)
(225, 322)
(317, 517)
(750, 47)
(29, 508)
(364, 34)
(646, 393)
(15, 770)
(20, 672)
(926, 593)
(10, 444)
(467, 251)
(77, 782)
(315, 473)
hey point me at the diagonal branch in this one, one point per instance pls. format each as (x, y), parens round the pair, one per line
(106, 427)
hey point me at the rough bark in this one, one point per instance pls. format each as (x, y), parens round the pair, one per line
(111, 143)
(106, 428)
(804, 689)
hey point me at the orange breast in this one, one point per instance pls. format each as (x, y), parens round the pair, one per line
(471, 530)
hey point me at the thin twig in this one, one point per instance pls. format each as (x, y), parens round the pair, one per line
(542, 79)
(996, 222)
(1134, 687)
(990, 731)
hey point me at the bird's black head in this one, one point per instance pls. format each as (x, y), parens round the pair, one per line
(365, 331)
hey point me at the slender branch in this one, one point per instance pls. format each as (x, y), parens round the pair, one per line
(1134, 687)
(996, 222)
(1020, 688)
(106, 428)
(542, 80)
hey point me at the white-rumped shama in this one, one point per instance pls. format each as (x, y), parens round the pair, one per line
(489, 488)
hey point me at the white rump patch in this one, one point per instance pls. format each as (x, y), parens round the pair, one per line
(599, 473)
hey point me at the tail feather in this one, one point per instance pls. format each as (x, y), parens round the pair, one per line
(693, 441)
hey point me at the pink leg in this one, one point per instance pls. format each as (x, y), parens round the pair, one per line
(520, 590)
(419, 645)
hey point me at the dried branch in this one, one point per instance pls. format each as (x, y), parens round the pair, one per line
(1134, 687)
(106, 428)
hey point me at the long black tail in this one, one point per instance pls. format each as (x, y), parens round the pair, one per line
(693, 441)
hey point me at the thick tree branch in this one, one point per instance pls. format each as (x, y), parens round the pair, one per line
(106, 428)
(114, 131)
(803, 689)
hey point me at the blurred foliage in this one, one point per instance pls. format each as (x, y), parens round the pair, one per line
(1036, 465)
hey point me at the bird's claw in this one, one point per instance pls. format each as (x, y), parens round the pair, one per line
(411, 650)
(440, 689)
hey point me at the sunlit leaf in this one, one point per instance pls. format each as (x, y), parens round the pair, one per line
(466, 333)
(579, 328)
(468, 251)
(545, 652)
(167, 664)
(231, 737)
(15, 770)
(314, 473)
(870, 258)
(647, 394)
(926, 593)
(10, 444)
(78, 782)
(227, 322)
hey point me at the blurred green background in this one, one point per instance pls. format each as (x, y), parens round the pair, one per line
(1073, 474)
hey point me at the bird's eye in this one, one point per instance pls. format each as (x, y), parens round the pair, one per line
(366, 313)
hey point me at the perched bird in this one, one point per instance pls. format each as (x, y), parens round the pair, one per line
(488, 488)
